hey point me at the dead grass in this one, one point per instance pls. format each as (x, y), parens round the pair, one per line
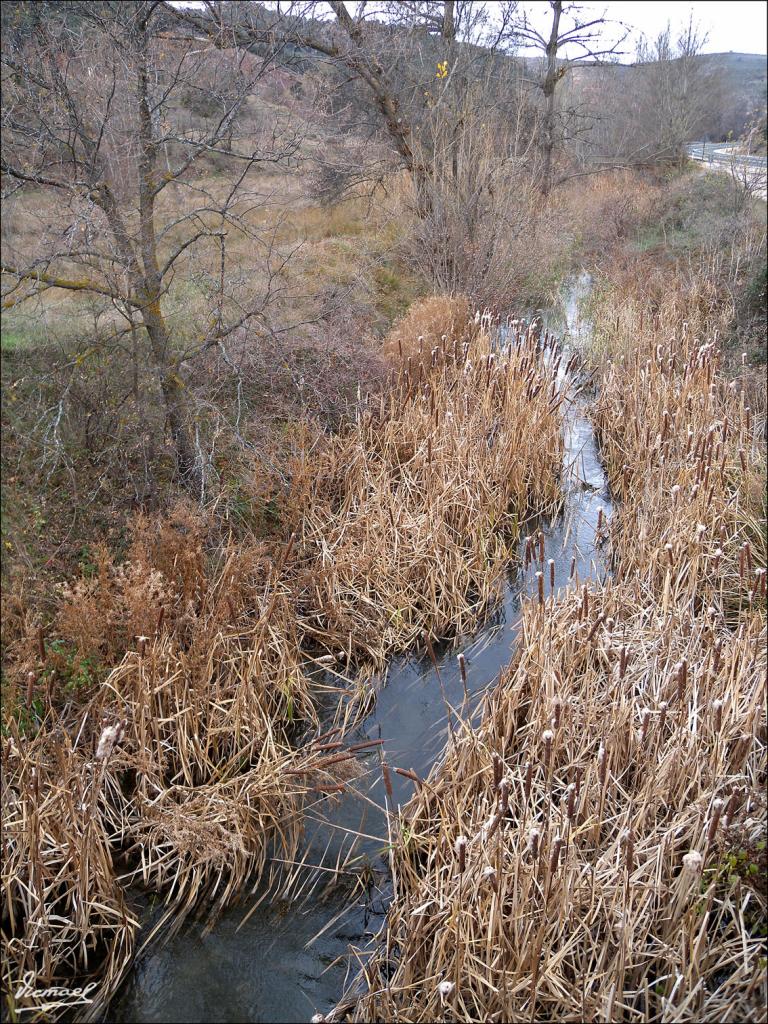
(425, 326)
(158, 733)
(410, 520)
(684, 452)
(595, 802)
(572, 857)
(184, 764)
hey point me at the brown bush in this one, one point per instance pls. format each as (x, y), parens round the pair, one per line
(426, 323)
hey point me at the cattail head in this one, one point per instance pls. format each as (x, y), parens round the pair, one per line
(645, 722)
(528, 780)
(534, 836)
(460, 847)
(663, 708)
(572, 792)
(693, 861)
(730, 809)
(445, 988)
(504, 796)
(498, 769)
(557, 711)
(602, 764)
(595, 626)
(110, 736)
(30, 687)
(554, 858)
(717, 714)
(578, 775)
(717, 810)
(462, 668)
(628, 842)
(489, 875)
(681, 674)
(547, 736)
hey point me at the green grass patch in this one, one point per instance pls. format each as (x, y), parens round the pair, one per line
(18, 339)
(396, 289)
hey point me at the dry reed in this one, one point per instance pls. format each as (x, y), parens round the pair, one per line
(424, 326)
(611, 798)
(192, 760)
(409, 521)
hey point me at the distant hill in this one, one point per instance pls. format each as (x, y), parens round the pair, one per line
(742, 79)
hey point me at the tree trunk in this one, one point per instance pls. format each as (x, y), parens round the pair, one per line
(548, 88)
(190, 469)
(449, 22)
(172, 387)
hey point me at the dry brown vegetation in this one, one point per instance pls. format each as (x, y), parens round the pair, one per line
(595, 847)
(153, 738)
(410, 521)
(425, 326)
(403, 525)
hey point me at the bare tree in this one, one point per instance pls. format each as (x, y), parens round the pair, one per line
(97, 128)
(395, 50)
(572, 39)
(674, 93)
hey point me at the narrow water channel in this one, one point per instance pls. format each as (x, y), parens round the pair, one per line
(289, 962)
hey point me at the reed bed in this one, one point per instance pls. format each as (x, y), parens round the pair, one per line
(180, 776)
(410, 520)
(166, 737)
(426, 324)
(686, 454)
(569, 860)
(594, 847)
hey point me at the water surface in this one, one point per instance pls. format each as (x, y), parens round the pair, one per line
(289, 961)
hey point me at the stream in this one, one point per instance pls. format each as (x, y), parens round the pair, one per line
(290, 960)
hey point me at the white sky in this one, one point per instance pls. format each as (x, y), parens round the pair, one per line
(731, 25)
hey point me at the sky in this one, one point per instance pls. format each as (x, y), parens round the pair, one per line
(730, 25)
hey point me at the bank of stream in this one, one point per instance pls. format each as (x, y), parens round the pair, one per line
(285, 961)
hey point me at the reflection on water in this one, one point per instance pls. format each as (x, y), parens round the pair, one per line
(269, 968)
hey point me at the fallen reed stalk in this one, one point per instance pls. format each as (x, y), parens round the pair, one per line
(611, 800)
(192, 761)
(408, 522)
